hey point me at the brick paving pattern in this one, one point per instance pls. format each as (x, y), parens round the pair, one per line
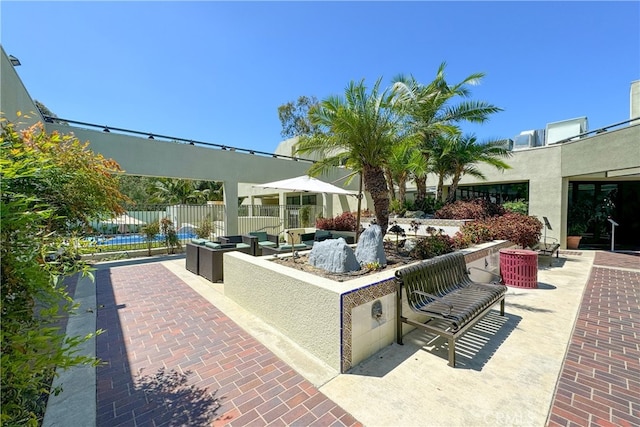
(171, 358)
(599, 384)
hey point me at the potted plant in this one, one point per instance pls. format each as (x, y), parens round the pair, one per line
(574, 234)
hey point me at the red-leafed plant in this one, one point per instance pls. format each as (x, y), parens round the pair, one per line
(469, 209)
(343, 222)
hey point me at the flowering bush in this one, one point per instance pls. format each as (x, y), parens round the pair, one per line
(431, 246)
(518, 228)
(343, 222)
(469, 209)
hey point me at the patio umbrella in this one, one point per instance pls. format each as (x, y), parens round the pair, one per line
(122, 221)
(307, 184)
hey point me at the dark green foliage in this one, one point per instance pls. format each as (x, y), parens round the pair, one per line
(294, 117)
(427, 205)
(517, 206)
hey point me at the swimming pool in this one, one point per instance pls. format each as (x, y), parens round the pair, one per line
(130, 239)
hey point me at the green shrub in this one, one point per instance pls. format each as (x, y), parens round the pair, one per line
(50, 184)
(305, 216)
(395, 206)
(518, 206)
(205, 229)
(476, 232)
(150, 232)
(433, 245)
(168, 231)
(429, 205)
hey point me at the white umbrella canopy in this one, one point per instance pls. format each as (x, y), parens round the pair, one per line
(123, 221)
(307, 184)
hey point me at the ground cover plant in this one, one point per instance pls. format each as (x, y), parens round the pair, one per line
(51, 185)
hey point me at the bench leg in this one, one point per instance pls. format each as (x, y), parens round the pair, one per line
(452, 352)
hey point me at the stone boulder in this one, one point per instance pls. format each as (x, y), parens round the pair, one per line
(410, 244)
(333, 255)
(414, 214)
(370, 247)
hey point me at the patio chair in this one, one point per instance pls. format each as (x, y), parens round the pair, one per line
(317, 236)
(211, 257)
(265, 240)
(242, 241)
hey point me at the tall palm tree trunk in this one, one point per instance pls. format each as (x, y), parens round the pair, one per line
(391, 188)
(376, 184)
(421, 191)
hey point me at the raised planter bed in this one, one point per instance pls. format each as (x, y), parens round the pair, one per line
(330, 319)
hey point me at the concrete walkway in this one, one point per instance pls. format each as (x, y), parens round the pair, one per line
(178, 352)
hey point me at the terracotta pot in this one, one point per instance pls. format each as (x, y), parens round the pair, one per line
(573, 242)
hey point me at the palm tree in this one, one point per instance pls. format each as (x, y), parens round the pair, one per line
(208, 190)
(357, 131)
(168, 190)
(405, 162)
(460, 155)
(430, 113)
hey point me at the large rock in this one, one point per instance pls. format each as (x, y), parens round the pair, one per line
(414, 214)
(333, 255)
(370, 248)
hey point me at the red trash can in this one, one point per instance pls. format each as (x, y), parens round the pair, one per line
(519, 268)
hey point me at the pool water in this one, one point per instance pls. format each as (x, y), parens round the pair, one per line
(130, 239)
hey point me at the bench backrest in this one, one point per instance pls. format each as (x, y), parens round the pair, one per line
(437, 276)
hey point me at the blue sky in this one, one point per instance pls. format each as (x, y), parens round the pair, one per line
(217, 71)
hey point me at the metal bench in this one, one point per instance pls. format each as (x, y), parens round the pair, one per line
(441, 289)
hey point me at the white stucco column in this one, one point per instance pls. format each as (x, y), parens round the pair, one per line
(327, 205)
(231, 207)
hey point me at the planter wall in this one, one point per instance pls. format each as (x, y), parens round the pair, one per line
(331, 320)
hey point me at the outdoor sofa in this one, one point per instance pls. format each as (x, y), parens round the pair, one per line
(205, 258)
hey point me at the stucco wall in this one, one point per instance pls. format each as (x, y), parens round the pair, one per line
(329, 319)
(14, 97)
(284, 298)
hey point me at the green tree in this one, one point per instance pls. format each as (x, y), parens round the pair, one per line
(404, 162)
(47, 112)
(430, 113)
(357, 131)
(173, 191)
(136, 188)
(294, 117)
(461, 155)
(208, 191)
(49, 184)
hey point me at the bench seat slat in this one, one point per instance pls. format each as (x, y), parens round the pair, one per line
(441, 288)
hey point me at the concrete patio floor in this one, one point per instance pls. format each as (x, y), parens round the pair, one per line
(564, 354)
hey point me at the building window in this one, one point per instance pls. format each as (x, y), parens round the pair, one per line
(497, 193)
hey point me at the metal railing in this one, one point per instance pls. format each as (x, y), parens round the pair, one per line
(597, 131)
(153, 136)
(132, 231)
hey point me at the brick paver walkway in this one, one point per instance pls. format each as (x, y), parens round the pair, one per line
(174, 359)
(599, 384)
